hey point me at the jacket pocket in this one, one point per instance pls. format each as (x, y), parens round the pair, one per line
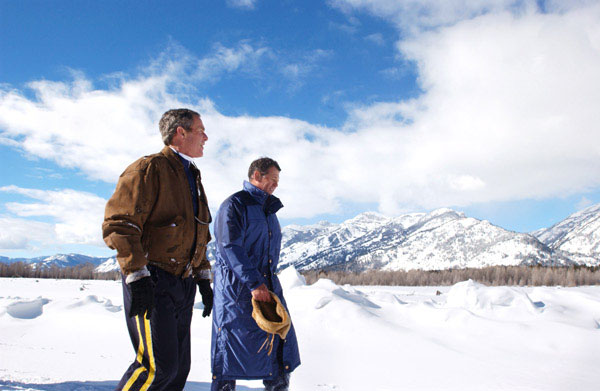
(165, 240)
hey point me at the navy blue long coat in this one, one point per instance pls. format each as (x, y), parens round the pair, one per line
(248, 240)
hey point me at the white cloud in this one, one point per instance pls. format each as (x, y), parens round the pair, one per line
(22, 234)
(298, 70)
(242, 58)
(508, 112)
(78, 126)
(77, 217)
(509, 101)
(415, 15)
(243, 4)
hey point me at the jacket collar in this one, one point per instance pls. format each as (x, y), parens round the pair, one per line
(270, 203)
(172, 157)
(176, 162)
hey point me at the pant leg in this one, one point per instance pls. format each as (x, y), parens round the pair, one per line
(184, 309)
(222, 385)
(138, 327)
(160, 364)
(282, 381)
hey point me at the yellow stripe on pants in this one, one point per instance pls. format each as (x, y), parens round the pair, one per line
(140, 354)
(150, 379)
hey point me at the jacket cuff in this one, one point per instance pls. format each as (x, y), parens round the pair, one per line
(137, 275)
(203, 274)
(252, 285)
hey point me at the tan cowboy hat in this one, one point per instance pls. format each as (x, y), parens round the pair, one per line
(271, 317)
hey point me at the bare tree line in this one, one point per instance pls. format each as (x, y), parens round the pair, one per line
(84, 271)
(494, 275)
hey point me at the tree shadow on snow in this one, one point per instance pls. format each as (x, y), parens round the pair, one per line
(96, 386)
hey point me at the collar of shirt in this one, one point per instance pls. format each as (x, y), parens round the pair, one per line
(186, 157)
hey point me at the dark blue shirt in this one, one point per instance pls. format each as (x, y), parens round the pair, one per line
(191, 180)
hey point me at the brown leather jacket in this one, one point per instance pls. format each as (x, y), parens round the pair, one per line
(150, 217)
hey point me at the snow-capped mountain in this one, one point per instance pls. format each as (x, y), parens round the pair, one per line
(109, 265)
(60, 260)
(577, 236)
(441, 239)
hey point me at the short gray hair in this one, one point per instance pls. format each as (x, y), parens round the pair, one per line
(172, 119)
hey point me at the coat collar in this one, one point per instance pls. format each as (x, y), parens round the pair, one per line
(177, 162)
(172, 157)
(270, 203)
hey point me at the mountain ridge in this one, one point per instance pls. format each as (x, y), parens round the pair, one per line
(441, 239)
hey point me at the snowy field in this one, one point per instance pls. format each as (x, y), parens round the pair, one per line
(60, 335)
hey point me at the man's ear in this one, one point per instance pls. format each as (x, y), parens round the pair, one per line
(256, 176)
(180, 131)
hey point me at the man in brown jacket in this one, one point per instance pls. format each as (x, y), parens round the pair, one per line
(157, 220)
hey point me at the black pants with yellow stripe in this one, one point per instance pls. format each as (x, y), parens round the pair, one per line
(162, 343)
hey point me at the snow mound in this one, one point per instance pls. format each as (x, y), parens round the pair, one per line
(93, 300)
(484, 300)
(290, 278)
(329, 292)
(27, 309)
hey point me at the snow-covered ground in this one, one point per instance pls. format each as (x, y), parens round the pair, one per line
(58, 335)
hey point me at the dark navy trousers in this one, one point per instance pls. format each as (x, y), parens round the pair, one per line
(161, 343)
(281, 382)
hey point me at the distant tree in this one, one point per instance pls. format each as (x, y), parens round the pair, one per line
(80, 272)
(496, 275)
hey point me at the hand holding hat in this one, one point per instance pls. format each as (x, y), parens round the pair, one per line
(272, 317)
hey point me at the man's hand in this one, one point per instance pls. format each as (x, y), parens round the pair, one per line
(207, 296)
(262, 294)
(142, 297)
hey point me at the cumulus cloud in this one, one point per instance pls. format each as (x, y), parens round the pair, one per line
(508, 112)
(77, 218)
(23, 234)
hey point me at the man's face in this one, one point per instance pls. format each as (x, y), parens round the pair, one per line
(268, 182)
(192, 144)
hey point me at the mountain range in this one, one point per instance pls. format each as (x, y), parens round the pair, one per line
(441, 239)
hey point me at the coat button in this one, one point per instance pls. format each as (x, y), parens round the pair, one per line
(270, 261)
(287, 367)
(264, 275)
(214, 378)
(219, 329)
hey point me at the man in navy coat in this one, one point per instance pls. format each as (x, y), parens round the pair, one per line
(248, 239)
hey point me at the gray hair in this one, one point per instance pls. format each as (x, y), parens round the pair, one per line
(262, 165)
(172, 119)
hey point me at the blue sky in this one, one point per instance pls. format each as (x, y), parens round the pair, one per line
(394, 106)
